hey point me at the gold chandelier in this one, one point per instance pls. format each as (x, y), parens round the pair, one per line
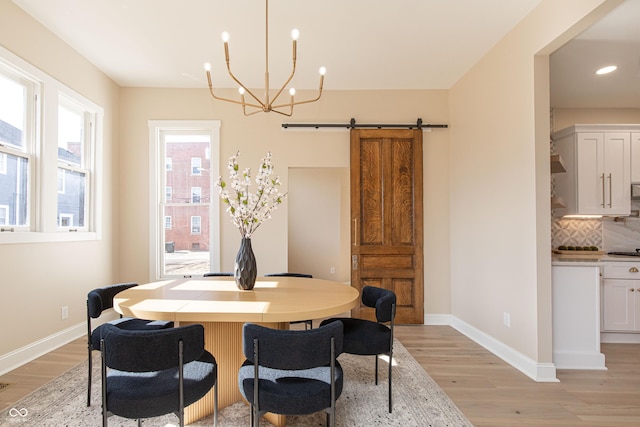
(267, 104)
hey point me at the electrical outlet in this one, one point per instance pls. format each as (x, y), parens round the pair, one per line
(506, 318)
(332, 270)
(64, 312)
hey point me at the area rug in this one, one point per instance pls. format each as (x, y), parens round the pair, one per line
(417, 401)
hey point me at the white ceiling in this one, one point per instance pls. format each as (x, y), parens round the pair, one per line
(364, 44)
(614, 40)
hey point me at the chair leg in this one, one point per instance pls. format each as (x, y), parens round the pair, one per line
(139, 422)
(103, 372)
(89, 377)
(376, 356)
(390, 401)
(255, 416)
(215, 404)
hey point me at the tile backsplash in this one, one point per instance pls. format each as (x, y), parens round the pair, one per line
(608, 234)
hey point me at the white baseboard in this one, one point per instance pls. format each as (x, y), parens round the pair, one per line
(579, 360)
(23, 355)
(540, 372)
(619, 338)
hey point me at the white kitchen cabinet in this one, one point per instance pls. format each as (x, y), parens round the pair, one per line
(621, 298)
(598, 163)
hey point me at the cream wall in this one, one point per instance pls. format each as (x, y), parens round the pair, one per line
(484, 182)
(256, 135)
(316, 247)
(36, 280)
(565, 117)
(499, 209)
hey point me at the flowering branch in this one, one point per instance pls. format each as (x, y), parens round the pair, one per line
(249, 210)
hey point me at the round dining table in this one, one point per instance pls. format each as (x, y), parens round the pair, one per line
(223, 309)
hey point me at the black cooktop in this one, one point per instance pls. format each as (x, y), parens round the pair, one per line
(636, 253)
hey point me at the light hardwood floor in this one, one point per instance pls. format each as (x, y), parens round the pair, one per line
(489, 392)
(492, 393)
(29, 377)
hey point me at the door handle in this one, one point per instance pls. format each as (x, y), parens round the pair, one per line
(602, 177)
(355, 231)
(610, 196)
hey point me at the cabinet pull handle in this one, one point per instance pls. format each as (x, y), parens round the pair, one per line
(610, 196)
(633, 270)
(602, 177)
(631, 290)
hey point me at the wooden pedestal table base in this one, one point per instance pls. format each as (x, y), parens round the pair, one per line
(224, 341)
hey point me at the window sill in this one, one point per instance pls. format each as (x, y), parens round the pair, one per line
(35, 237)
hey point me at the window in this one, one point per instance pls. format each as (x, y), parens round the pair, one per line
(65, 220)
(188, 244)
(17, 145)
(196, 166)
(47, 184)
(169, 163)
(196, 194)
(195, 226)
(75, 133)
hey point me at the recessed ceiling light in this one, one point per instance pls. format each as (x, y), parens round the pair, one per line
(606, 70)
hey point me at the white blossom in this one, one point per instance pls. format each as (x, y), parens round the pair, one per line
(249, 210)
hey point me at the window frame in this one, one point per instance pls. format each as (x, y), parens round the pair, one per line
(85, 167)
(196, 166)
(157, 172)
(196, 195)
(31, 139)
(196, 219)
(43, 141)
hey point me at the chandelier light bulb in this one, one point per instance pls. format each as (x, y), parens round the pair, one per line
(207, 66)
(266, 103)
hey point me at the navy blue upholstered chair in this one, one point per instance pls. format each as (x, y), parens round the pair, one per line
(365, 337)
(101, 299)
(308, 324)
(291, 372)
(146, 374)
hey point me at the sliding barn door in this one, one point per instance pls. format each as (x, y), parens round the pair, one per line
(387, 218)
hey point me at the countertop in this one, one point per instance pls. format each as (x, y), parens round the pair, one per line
(590, 260)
